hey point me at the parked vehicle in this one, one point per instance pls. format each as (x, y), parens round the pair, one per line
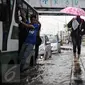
(55, 44)
(45, 47)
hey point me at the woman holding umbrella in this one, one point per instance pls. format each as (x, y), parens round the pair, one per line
(77, 25)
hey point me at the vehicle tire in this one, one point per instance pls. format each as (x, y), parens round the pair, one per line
(46, 56)
(59, 51)
(50, 55)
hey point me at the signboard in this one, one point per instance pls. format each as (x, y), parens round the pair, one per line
(57, 3)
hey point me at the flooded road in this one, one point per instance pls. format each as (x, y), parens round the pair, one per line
(54, 71)
(58, 70)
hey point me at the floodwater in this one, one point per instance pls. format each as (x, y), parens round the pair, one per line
(54, 71)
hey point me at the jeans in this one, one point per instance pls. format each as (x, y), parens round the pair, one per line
(24, 53)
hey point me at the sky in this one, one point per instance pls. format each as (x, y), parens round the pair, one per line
(53, 24)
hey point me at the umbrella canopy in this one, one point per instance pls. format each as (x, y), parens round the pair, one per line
(73, 11)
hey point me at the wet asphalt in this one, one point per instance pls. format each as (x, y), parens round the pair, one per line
(53, 71)
(57, 70)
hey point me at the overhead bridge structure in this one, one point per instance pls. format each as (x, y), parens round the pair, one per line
(53, 7)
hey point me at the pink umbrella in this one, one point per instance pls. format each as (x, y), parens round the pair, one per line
(73, 11)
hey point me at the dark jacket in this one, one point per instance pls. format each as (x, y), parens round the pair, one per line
(78, 32)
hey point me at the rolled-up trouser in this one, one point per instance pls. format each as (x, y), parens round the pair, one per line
(76, 44)
(24, 53)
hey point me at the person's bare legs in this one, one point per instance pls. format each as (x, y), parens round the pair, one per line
(75, 59)
(78, 56)
(74, 55)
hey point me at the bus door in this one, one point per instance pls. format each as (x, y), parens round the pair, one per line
(12, 44)
(7, 23)
(3, 16)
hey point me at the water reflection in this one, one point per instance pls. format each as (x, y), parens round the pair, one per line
(77, 74)
(79, 82)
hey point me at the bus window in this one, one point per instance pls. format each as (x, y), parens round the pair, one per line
(15, 32)
(3, 11)
(11, 4)
(22, 7)
(6, 9)
(25, 10)
(6, 17)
